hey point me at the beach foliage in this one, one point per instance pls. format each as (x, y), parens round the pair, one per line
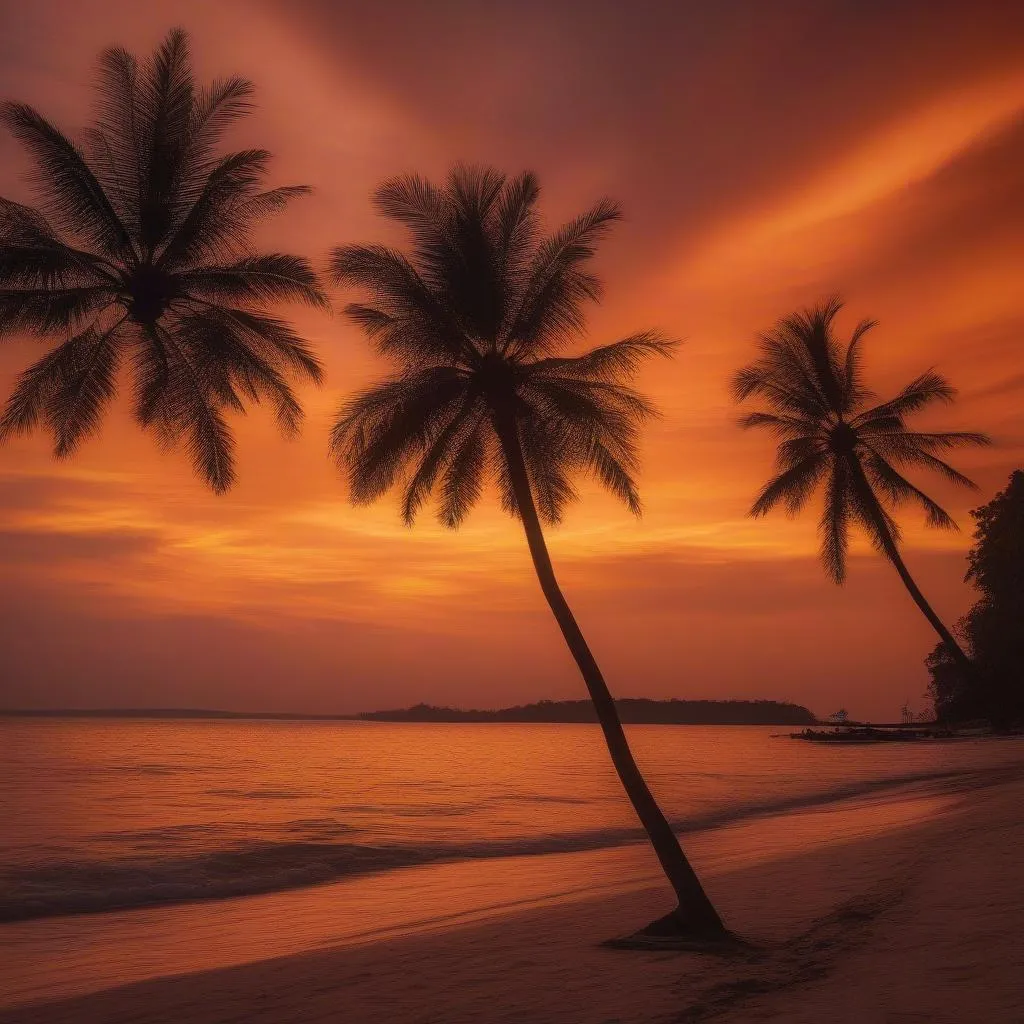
(993, 630)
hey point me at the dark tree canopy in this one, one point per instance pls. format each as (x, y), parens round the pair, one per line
(473, 317)
(994, 627)
(139, 258)
(834, 435)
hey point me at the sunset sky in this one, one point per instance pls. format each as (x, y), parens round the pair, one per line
(766, 155)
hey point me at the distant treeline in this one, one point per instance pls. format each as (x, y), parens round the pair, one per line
(634, 710)
(163, 713)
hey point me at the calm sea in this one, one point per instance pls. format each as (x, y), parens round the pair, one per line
(106, 814)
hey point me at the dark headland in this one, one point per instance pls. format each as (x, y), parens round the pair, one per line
(632, 710)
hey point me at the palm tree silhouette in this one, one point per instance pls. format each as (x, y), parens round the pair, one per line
(473, 317)
(832, 437)
(140, 253)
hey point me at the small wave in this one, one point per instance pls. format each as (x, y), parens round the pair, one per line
(63, 887)
(258, 794)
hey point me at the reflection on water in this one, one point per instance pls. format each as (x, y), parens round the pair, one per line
(101, 814)
(414, 826)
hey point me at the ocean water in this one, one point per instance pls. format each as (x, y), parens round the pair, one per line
(101, 815)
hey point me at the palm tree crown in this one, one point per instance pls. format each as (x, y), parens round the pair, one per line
(833, 436)
(474, 318)
(140, 255)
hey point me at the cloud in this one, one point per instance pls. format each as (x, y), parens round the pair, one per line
(34, 547)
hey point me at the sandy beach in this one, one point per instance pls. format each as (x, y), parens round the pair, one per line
(906, 908)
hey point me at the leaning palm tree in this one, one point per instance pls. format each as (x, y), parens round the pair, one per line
(832, 435)
(139, 254)
(472, 317)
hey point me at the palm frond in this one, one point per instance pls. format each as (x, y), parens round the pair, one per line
(811, 330)
(473, 190)
(792, 487)
(68, 183)
(557, 285)
(117, 139)
(437, 457)
(954, 476)
(43, 311)
(151, 377)
(23, 225)
(614, 474)
(51, 266)
(596, 425)
(84, 388)
(407, 319)
(834, 526)
(781, 425)
(215, 224)
(615, 409)
(215, 109)
(516, 224)
(854, 392)
(620, 359)
(924, 390)
(379, 431)
(462, 481)
(882, 530)
(26, 407)
(413, 201)
(185, 405)
(549, 467)
(890, 434)
(789, 393)
(273, 339)
(268, 277)
(898, 490)
(796, 449)
(33, 256)
(166, 106)
(69, 388)
(223, 354)
(252, 208)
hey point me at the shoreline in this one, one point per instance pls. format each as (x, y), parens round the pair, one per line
(819, 878)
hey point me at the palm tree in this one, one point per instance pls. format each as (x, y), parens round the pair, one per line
(473, 316)
(831, 435)
(139, 254)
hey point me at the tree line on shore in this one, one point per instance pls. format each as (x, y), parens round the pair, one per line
(138, 263)
(631, 710)
(993, 630)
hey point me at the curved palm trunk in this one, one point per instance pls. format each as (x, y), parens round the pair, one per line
(695, 915)
(955, 650)
(892, 552)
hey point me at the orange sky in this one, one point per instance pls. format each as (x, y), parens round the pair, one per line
(766, 155)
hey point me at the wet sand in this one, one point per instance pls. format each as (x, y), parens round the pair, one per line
(906, 908)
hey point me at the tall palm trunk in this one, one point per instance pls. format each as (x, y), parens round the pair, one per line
(695, 915)
(892, 552)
